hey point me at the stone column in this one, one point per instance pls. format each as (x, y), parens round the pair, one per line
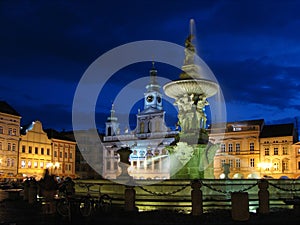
(196, 194)
(263, 196)
(240, 206)
(130, 199)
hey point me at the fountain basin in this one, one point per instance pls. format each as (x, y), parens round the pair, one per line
(179, 88)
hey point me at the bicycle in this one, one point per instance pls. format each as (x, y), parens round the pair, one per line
(89, 204)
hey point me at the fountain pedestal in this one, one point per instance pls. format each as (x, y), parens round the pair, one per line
(124, 165)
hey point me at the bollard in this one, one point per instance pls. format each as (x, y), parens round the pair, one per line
(196, 195)
(240, 206)
(130, 199)
(263, 197)
(26, 190)
(32, 194)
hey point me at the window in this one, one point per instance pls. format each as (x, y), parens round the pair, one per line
(66, 166)
(10, 131)
(8, 162)
(142, 165)
(36, 150)
(23, 148)
(70, 167)
(8, 146)
(267, 151)
(285, 166)
(1, 130)
(229, 147)
(29, 164)
(252, 163)
(299, 165)
(48, 151)
(298, 150)
(60, 154)
(134, 163)
(42, 151)
(14, 131)
(12, 162)
(23, 163)
(30, 149)
(237, 148)
(284, 150)
(55, 153)
(66, 155)
(0, 145)
(223, 148)
(71, 155)
(230, 163)
(275, 151)
(238, 163)
(149, 165)
(276, 166)
(251, 147)
(35, 164)
(14, 147)
(41, 164)
(223, 161)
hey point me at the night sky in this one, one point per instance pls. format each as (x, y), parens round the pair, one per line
(252, 47)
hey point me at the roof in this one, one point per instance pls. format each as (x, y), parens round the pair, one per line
(277, 130)
(8, 109)
(51, 133)
(259, 122)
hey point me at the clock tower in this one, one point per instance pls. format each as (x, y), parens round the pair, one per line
(153, 96)
(152, 118)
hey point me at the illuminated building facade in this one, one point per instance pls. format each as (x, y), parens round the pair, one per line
(9, 139)
(149, 159)
(277, 154)
(63, 154)
(251, 149)
(238, 149)
(34, 150)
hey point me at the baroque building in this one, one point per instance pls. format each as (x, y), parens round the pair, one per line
(149, 158)
(9, 139)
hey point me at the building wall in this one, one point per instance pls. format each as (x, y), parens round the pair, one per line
(277, 157)
(296, 152)
(239, 149)
(35, 153)
(9, 139)
(63, 157)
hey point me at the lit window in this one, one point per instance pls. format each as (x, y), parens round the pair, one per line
(229, 147)
(10, 131)
(23, 163)
(267, 151)
(29, 164)
(230, 163)
(251, 147)
(35, 164)
(238, 163)
(223, 148)
(276, 166)
(284, 150)
(252, 163)
(223, 161)
(237, 148)
(275, 151)
(14, 131)
(41, 164)
(285, 166)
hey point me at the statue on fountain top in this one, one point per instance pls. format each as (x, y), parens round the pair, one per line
(190, 50)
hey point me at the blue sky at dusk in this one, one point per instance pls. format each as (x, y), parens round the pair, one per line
(252, 47)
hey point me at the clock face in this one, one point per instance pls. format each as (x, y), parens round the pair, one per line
(158, 99)
(150, 98)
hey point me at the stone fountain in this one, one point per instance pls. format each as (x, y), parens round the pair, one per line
(190, 92)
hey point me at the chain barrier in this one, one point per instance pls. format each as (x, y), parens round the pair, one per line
(284, 189)
(228, 192)
(164, 193)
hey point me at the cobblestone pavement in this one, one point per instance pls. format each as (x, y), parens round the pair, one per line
(19, 212)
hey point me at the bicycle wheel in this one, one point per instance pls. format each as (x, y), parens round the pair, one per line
(105, 203)
(63, 207)
(85, 206)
